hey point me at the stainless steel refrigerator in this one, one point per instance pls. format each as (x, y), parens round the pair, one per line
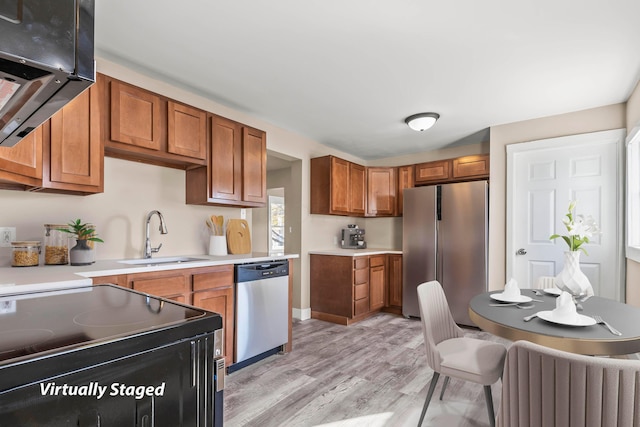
(444, 237)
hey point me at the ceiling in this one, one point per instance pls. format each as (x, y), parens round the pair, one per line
(347, 73)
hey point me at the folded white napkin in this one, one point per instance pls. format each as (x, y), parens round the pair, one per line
(511, 289)
(565, 307)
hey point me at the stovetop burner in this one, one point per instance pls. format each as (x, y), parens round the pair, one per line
(14, 343)
(50, 320)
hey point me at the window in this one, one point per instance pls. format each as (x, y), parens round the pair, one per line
(276, 224)
(633, 195)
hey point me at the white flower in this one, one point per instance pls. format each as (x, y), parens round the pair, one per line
(580, 229)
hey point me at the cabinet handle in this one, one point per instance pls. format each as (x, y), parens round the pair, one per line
(194, 363)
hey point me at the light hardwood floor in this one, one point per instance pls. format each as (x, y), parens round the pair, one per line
(372, 373)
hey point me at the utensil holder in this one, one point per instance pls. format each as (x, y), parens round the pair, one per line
(218, 245)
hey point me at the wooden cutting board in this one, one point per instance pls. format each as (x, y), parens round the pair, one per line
(238, 237)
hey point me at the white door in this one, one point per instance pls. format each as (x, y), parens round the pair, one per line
(542, 178)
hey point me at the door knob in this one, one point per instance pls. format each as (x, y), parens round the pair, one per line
(521, 251)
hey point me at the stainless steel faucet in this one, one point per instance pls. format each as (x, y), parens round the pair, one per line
(148, 250)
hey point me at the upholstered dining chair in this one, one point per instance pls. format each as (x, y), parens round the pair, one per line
(546, 387)
(452, 354)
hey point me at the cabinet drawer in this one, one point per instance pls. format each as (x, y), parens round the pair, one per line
(162, 286)
(221, 277)
(376, 261)
(361, 276)
(361, 306)
(360, 291)
(360, 262)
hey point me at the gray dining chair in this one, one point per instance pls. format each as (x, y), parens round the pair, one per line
(546, 387)
(452, 354)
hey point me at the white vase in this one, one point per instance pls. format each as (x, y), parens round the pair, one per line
(571, 278)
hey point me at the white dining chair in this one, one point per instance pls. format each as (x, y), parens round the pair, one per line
(546, 387)
(452, 354)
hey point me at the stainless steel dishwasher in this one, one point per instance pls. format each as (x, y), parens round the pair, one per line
(262, 310)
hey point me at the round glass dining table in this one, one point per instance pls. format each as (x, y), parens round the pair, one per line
(508, 322)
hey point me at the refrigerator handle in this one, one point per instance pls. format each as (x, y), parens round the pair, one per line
(439, 203)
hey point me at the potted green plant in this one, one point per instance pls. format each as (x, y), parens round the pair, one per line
(82, 252)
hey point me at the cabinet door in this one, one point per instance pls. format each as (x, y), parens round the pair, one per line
(357, 189)
(135, 116)
(377, 281)
(225, 166)
(433, 171)
(471, 166)
(340, 186)
(220, 301)
(381, 191)
(405, 180)
(254, 166)
(187, 130)
(395, 280)
(22, 163)
(75, 156)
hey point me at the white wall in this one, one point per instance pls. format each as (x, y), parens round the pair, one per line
(131, 191)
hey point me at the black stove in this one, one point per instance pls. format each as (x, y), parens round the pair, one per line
(108, 335)
(40, 322)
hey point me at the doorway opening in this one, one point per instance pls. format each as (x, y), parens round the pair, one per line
(276, 228)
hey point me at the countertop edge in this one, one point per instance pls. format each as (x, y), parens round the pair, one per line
(355, 252)
(49, 277)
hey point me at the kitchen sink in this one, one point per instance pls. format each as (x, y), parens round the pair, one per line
(160, 261)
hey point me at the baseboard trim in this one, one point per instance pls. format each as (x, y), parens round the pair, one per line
(301, 313)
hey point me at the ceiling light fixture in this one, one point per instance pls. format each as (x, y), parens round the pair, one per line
(422, 121)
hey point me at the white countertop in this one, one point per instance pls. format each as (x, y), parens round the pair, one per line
(354, 252)
(47, 277)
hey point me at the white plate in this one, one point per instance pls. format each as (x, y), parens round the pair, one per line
(552, 291)
(580, 320)
(500, 297)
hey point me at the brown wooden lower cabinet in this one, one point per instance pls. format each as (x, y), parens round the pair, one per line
(213, 290)
(346, 289)
(394, 284)
(210, 288)
(377, 281)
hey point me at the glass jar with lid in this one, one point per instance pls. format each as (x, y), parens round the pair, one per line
(25, 254)
(56, 244)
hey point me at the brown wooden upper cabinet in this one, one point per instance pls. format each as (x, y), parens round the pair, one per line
(21, 165)
(437, 171)
(357, 189)
(75, 153)
(65, 154)
(147, 127)
(381, 191)
(451, 170)
(406, 179)
(337, 187)
(236, 173)
(471, 166)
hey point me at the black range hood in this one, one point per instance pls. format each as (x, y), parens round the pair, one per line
(46, 60)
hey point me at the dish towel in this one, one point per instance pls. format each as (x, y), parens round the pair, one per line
(565, 307)
(511, 289)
